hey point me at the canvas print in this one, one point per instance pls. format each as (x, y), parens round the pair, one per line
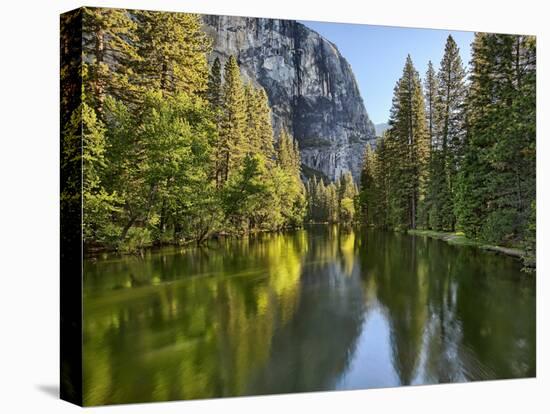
(256, 206)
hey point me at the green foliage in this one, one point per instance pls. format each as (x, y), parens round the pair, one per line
(530, 243)
(108, 42)
(468, 163)
(397, 177)
(498, 227)
(373, 197)
(440, 200)
(288, 154)
(214, 90)
(162, 157)
(265, 130)
(173, 52)
(431, 89)
(347, 188)
(244, 192)
(347, 210)
(496, 185)
(233, 144)
(447, 140)
(288, 183)
(173, 152)
(332, 203)
(98, 204)
(138, 238)
(291, 199)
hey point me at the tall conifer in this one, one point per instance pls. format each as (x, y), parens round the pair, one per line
(108, 43)
(173, 48)
(450, 130)
(496, 186)
(214, 91)
(233, 142)
(410, 149)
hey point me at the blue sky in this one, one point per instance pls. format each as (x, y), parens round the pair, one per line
(377, 55)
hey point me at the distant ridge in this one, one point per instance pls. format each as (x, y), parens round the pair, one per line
(381, 128)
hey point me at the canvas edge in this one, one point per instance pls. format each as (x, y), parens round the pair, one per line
(70, 209)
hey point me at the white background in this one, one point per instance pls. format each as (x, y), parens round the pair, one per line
(29, 220)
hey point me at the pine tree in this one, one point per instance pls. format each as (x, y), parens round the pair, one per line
(109, 54)
(321, 197)
(332, 204)
(265, 132)
(409, 150)
(369, 186)
(285, 151)
(313, 202)
(214, 90)
(347, 186)
(375, 180)
(383, 176)
(436, 183)
(347, 211)
(233, 144)
(292, 192)
(253, 118)
(172, 150)
(431, 87)
(173, 50)
(244, 193)
(450, 130)
(296, 158)
(214, 96)
(497, 176)
(288, 155)
(472, 196)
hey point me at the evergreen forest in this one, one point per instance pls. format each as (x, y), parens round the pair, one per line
(180, 148)
(459, 154)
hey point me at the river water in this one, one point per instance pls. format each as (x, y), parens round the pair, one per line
(318, 309)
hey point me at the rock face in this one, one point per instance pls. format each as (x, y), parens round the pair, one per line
(311, 87)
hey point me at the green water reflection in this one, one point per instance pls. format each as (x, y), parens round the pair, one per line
(317, 309)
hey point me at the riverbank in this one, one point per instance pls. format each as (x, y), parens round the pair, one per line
(95, 250)
(460, 240)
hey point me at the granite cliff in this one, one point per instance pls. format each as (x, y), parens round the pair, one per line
(311, 87)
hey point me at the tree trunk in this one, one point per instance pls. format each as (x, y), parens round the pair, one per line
(413, 212)
(127, 227)
(164, 77)
(134, 217)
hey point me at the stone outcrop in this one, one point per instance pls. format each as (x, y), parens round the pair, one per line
(311, 87)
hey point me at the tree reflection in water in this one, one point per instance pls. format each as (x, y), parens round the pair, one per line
(318, 309)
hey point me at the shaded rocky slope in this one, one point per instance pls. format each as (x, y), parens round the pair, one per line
(311, 87)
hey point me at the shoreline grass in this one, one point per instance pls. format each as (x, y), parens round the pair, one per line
(459, 239)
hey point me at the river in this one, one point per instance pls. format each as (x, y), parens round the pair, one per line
(318, 309)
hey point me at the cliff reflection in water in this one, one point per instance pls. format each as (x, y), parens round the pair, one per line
(318, 309)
